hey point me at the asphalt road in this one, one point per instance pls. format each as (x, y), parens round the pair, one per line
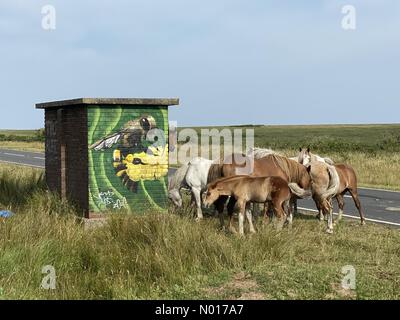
(379, 205)
(31, 159)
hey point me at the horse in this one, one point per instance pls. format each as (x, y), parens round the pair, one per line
(271, 165)
(325, 185)
(194, 176)
(246, 190)
(348, 183)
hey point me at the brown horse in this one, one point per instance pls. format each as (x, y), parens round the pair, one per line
(347, 183)
(272, 165)
(246, 190)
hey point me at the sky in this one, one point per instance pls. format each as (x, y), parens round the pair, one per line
(229, 61)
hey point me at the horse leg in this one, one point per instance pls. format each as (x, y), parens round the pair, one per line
(289, 211)
(192, 203)
(293, 203)
(354, 195)
(219, 206)
(266, 211)
(340, 201)
(231, 207)
(242, 209)
(320, 215)
(250, 219)
(280, 213)
(197, 197)
(329, 209)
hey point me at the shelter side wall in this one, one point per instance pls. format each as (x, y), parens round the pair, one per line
(52, 145)
(76, 156)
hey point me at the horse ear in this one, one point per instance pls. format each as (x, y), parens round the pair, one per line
(308, 149)
(300, 149)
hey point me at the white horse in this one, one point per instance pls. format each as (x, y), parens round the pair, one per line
(193, 176)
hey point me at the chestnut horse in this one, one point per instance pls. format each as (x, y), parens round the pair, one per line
(348, 183)
(272, 165)
(246, 190)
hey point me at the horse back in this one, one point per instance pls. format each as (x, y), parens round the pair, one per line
(265, 167)
(347, 175)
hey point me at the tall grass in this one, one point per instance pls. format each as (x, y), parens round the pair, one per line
(18, 184)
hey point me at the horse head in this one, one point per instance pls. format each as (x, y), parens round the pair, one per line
(211, 195)
(304, 156)
(175, 196)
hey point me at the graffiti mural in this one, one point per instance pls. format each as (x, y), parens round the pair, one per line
(128, 158)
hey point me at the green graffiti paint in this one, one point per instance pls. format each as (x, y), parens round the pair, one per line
(128, 161)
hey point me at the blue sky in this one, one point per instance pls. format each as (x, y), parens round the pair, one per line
(230, 61)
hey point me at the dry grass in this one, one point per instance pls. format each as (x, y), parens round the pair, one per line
(380, 170)
(23, 146)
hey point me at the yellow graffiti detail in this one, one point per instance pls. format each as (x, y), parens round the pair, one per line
(144, 166)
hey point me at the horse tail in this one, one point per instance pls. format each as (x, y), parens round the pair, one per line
(333, 184)
(329, 161)
(299, 192)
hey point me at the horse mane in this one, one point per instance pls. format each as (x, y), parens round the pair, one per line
(215, 172)
(178, 177)
(259, 153)
(291, 168)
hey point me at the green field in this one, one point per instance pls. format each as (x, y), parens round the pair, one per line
(25, 133)
(327, 138)
(169, 256)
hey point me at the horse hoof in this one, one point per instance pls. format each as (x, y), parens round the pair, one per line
(329, 231)
(363, 223)
(198, 219)
(233, 230)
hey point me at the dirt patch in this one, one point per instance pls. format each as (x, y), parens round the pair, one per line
(342, 293)
(241, 287)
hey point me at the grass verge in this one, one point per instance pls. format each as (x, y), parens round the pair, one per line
(169, 256)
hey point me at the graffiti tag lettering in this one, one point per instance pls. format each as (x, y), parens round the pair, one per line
(110, 200)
